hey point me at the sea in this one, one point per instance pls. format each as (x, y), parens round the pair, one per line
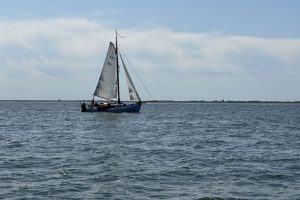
(178, 151)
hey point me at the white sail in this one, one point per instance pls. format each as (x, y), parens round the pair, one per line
(107, 84)
(133, 94)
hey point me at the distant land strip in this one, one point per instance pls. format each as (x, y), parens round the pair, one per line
(218, 101)
(159, 101)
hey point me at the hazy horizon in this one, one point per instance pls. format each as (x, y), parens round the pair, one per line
(162, 100)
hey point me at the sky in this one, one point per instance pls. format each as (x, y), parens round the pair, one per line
(180, 49)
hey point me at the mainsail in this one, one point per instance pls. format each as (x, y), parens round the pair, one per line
(107, 84)
(134, 96)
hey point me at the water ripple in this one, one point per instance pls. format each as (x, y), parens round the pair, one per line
(49, 150)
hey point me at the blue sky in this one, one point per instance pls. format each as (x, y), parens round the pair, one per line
(263, 18)
(183, 50)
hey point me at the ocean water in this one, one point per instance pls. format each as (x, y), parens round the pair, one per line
(50, 150)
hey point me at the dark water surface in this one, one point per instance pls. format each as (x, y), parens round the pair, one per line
(49, 150)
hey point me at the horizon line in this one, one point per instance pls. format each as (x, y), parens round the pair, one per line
(161, 101)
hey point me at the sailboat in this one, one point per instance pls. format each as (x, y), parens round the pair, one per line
(108, 86)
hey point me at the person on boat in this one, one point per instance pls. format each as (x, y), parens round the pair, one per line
(93, 102)
(83, 107)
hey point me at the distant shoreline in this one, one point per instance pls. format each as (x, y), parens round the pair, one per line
(216, 101)
(164, 101)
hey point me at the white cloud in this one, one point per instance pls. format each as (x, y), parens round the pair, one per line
(67, 54)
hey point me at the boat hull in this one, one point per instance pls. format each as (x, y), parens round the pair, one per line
(118, 108)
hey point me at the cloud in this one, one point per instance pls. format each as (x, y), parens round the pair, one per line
(70, 52)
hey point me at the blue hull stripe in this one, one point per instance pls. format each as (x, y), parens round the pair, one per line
(120, 108)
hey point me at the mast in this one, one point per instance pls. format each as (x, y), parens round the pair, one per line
(118, 68)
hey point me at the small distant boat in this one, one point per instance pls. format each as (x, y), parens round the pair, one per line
(108, 86)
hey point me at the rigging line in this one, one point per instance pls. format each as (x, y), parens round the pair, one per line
(137, 75)
(120, 35)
